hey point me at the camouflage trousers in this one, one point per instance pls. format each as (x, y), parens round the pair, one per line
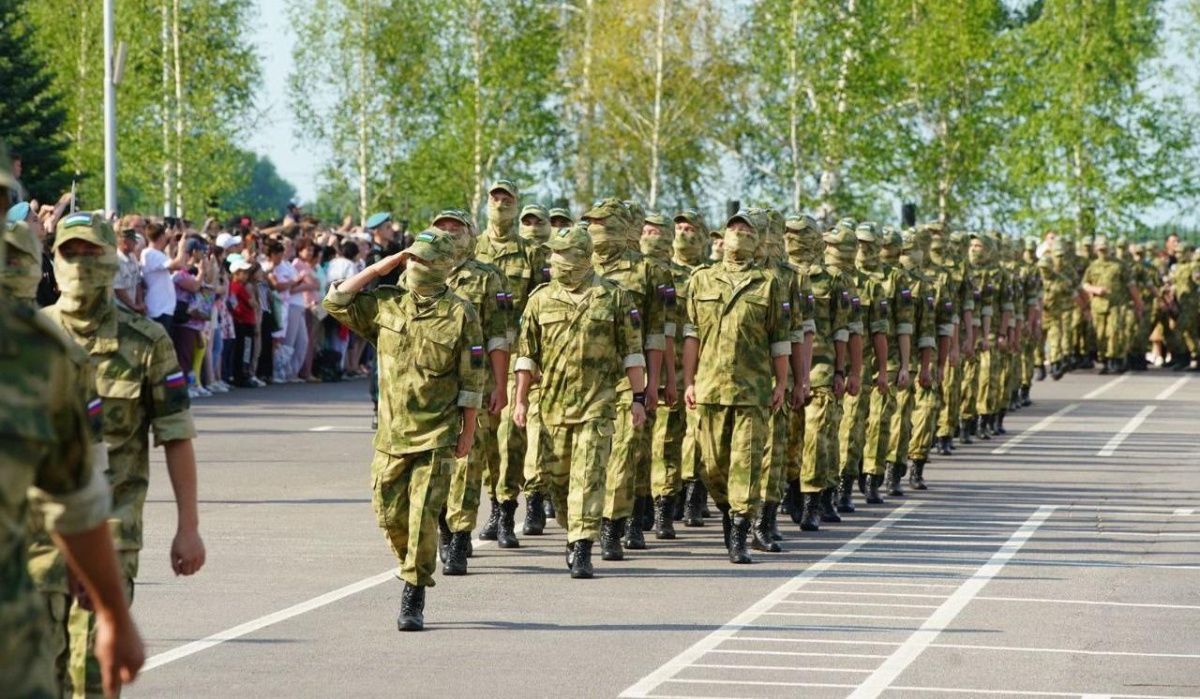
(1028, 360)
(775, 458)
(629, 465)
(852, 429)
(27, 663)
(690, 467)
(574, 473)
(881, 407)
(1189, 333)
(924, 421)
(507, 476)
(666, 450)
(462, 501)
(900, 427)
(987, 383)
(1057, 336)
(1108, 333)
(537, 450)
(84, 678)
(970, 387)
(949, 406)
(732, 440)
(819, 463)
(408, 493)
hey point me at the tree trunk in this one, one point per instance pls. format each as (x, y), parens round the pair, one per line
(794, 104)
(179, 125)
(82, 107)
(477, 97)
(587, 114)
(656, 123)
(362, 111)
(831, 164)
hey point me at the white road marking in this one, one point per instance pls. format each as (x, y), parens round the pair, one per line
(1098, 603)
(778, 667)
(668, 670)
(845, 616)
(762, 683)
(1029, 693)
(322, 428)
(770, 639)
(1185, 511)
(335, 428)
(1034, 429)
(902, 657)
(856, 603)
(798, 653)
(1066, 651)
(1097, 391)
(839, 583)
(1127, 430)
(1170, 390)
(867, 594)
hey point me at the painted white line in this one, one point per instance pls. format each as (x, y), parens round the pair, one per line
(856, 603)
(1034, 429)
(845, 616)
(882, 584)
(1170, 390)
(769, 639)
(1043, 600)
(264, 621)
(1185, 511)
(916, 644)
(322, 428)
(1097, 391)
(867, 594)
(1029, 693)
(668, 670)
(1065, 651)
(778, 667)
(909, 565)
(761, 683)
(922, 542)
(335, 428)
(797, 653)
(1127, 430)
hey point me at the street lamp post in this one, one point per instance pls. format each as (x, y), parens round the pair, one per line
(110, 115)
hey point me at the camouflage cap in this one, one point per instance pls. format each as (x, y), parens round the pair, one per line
(1099, 243)
(1045, 262)
(657, 219)
(535, 209)
(934, 226)
(377, 220)
(1185, 247)
(89, 227)
(1151, 246)
(958, 237)
(505, 186)
(867, 232)
(453, 215)
(755, 218)
(690, 216)
(431, 245)
(604, 209)
(573, 238)
(559, 212)
(908, 239)
(1138, 248)
(841, 237)
(890, 238)
(1122, 242)
(800, 223)
(1059, 248)
(22, 238)
(1088, 240)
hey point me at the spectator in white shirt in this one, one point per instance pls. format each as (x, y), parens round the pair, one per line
(157, 268)
(127, 287)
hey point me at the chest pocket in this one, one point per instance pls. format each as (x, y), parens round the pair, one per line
(433, 344)
(120, 396)
(709, 306)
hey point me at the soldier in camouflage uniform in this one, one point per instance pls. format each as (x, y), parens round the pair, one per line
(912, 305)
(432, 378)
(143, 390)
(1110, 288)
(535, 225)
(484, 287)
(560, 218)
(1033, 355)
(579, 333)
(1147, 282)
(945, 253)
(690, 254)
(735, 366)
(932, 297)
(1060, 292)
(984, 377)
(647, 286)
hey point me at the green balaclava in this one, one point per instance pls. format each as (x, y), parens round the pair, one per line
(22, 272)
(1100, 245)
(661, 245)
(608, 228)
(937, 248)
(867, 255)
(539, 231)
(741, 246)
(571, 256)
(912, 256)
(86, 280)
(690, 245)
(501, 216)
(776, 248)
(802, 240)
(890, 244)
(634, 215)
(430, 259)
(461, 236)
(840, 246)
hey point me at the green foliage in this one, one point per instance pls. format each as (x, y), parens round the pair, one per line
(265, 195)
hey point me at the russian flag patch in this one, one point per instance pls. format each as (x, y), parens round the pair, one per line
(94, 407)
(176, 380)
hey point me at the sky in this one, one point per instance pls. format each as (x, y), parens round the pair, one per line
(298, 163)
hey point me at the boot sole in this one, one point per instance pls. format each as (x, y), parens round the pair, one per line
(664, 536)
(410, 626)
(612, 557)
(581, 575)
(508, 545)
(453, 571)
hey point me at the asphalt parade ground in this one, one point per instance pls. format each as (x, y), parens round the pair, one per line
(1060, 560)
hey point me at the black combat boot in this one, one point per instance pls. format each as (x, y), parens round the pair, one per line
(535, 515)
(444, 535)
(810, 510)
(763, 525)
(726, 523)
(647, 512)
(775, 535)
(489, 531)
(664, 525)
(739, 532)
(986, 426)
(1105, 367)
(916, 477)
(1025, 400)
(1039, 372)
(792, 498)
(845, 501)
(943, 446)
(634, 540)
(455, 562)
(1057, 370)
(829, 513)
(506, 536)
(548, 508)
(692, 507)
(1000, 422)
(677, 503)
(610, 540)
(892, 475)
(581, 559)
(873, 482)
(412, 609)
(965, 430)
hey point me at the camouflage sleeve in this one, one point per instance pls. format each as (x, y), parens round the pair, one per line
(854, 315)
(903, 312)
(1008, 291)
(166, 385)
(780, 328)
(808, 323)
(968, 295)
(472, 361)
(355, 310)
(494, 315)
(945, 315)
(69, 489)
(924, 312)
(627, 331)
(795, 309)
(689, 312)
(654, 325)
(669, 296)
(529, 342)
(841, 323)
(986, 285)
(877, 314)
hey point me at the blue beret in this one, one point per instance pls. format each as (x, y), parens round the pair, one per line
(19, 212)
(377, 220)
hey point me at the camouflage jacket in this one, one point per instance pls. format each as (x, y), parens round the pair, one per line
(523, 265)
(1114, 277)
(832, 316)
(487, 291)
(918, 302)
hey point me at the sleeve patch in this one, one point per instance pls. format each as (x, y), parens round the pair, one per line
(636, 318)
(176, 380)
(476, 356)
(906, 297)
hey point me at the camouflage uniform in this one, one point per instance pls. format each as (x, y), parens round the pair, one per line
(1112, 276)
(431, 359)
(739, 317)
(577, 342)
(945, 252)
(1059, 293)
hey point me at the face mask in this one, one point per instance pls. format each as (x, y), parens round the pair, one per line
(867, 257)
(21, 274)
(689, 246)
(976, 256)
(935, 254)
(500, 218)
(85, 282)
(606, 242)
(538, 232)
(912, 258)
(464, 245)
(740, 249)
(658, 247)
(425, 279)
(570, 269)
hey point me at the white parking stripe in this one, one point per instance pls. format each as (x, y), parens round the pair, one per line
(788, 668)
(1034, 429)
(916, 644)
(1170, 390)
(668, 670)
(1066, 651)
(798, 653)
(1127, 430)
(1098, 603)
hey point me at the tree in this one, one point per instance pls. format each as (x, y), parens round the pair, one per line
(32, 118)
(265, 194)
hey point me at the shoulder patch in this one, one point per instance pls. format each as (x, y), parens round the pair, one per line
(141, 325)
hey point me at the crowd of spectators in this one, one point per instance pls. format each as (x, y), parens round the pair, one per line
(242, 301)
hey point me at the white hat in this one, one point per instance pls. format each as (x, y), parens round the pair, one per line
(240, 265)
(226, 240)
